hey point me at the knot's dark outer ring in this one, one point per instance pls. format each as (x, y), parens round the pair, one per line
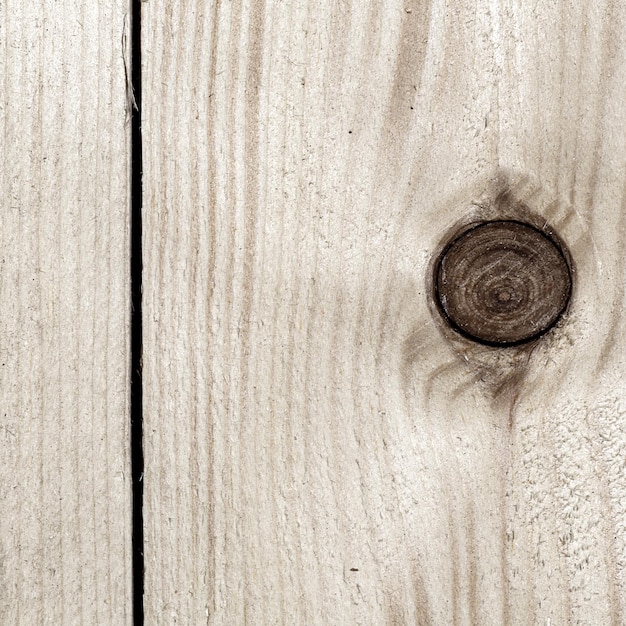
(502, 283)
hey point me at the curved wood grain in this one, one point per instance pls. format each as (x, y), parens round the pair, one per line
(318, 449)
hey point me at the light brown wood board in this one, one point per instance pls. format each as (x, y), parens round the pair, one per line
(65, 525)
(319, 449)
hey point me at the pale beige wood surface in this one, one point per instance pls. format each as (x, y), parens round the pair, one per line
(318, 449)
(64, 286)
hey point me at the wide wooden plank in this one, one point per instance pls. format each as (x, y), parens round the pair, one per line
(319, 448)
(65, 528)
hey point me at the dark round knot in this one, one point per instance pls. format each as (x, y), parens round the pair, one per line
(502, 283)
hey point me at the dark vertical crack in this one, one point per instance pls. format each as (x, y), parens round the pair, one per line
(136, 383)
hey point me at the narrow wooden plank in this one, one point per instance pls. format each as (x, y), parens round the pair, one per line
(65, 551)
(319, 449)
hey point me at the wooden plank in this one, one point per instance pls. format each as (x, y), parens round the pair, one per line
(65, 553)
(319, 449)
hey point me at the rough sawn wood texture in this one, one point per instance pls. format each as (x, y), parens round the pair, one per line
(319, 448)
(65, 525)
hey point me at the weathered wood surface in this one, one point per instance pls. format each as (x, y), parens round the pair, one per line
(64, 360)
(318, 449)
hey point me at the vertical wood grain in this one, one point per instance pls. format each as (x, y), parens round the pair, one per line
(65, 554)
(319, 450)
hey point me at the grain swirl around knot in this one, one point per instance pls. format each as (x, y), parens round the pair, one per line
(502, 283)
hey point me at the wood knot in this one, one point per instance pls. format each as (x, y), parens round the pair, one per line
(502, 282)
